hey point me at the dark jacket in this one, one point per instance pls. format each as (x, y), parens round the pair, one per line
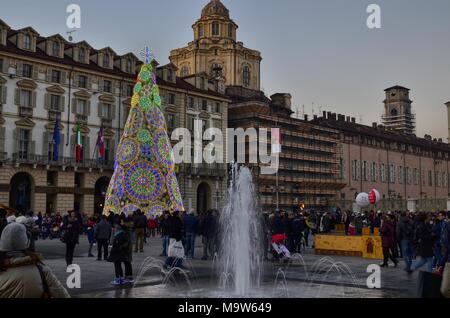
(175, 228)
(140, 221)
(387, 232)
(190, 223)
(298, 226)
(3, 224)
(122, 246)
(278, 226)
(425, 237)
(103, 230)
(405, 229)
(209, 226)
(72, 230)
(164, 225)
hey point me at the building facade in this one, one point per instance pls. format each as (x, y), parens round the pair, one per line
(44, 78)
(215, 46)
(409, 172)
(308, 174)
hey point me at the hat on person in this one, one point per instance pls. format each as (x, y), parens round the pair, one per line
(14, 238)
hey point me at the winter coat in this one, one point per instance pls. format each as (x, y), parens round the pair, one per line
(103, 230)
(190, 223)
(164, 225)
(20, 277)
(278, 226)
(175, 228)
(121, 250)
(140, 221)
(72, 230)
(425, 237)
(387, 232)
(405, 229)
(152, 223)
(298, 226)
(209, 227)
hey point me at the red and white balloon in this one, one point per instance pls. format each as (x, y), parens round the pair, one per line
(374, 196)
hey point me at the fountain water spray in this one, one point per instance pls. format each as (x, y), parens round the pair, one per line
(240, 234)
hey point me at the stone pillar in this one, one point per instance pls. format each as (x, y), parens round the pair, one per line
(4, 198)
(64, 202)
(40, 202)
(87, 205)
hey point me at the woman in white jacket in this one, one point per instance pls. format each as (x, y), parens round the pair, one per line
(22, 272)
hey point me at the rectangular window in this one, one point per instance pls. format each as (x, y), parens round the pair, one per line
(383, 173)
(56, 49)
(171, 121)
(27, 70)
(215, 29)
(82, 107)
(355, 170)
(24, 142)
(217, 108)
(191, 103)
(190, 123)
(128, 67)
(82, 81)
(430, 178)
(365, 171)
(230, 30)
(400, 175)
(106, 61)
(82, 55)
(171, 99)
(130, 89)
(1, 65)
(205, 105)
(106, 111)
(391, 174)
(438, 179)
(55, 102)
(25, 98)
(27, 42)
(107, 86)
(56, 76)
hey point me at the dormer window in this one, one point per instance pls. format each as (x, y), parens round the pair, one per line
(106, 60)
(169, 75)
(82, 55)
(56, 49)
(215, 29)
(128, 66)
(202, 83)
(107, 86)
(27, 42)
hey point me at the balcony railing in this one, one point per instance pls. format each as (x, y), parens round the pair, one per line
(25, 111)
(81, 118)
(28, 158)
(206, 170)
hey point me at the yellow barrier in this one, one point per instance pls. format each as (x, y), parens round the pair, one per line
(365, 246)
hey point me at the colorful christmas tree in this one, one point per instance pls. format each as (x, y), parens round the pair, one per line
(144, 170)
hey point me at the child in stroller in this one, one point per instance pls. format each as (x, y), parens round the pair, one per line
(279, 250)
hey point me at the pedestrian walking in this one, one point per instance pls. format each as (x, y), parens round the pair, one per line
(387, 232)
(140, 224)
(405, 235)
(425, 238)
(102, 235)
(71, 228)
(190, 222)
(122, 252)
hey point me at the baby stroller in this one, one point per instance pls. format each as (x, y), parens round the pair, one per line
(279, 250)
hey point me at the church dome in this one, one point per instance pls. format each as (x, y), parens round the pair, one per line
(215, 7)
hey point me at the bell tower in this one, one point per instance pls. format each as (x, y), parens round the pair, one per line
(398, 115)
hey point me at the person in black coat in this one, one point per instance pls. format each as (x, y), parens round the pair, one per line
(425, 238)
(208, 231)
(71, 227)
(3, 221)
(122, 251)
(175, 233)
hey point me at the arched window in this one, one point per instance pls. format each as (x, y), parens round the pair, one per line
(394, 112)
(246, 76)
(200, 30)
(216, 29)
(184, 71)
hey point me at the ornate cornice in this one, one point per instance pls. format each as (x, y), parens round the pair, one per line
(51, 126)
(26, 83)
(56, 89)
(204, 115)
(108, 133)
(107, 98)
(25, 122)
(83, 129)
(82, 94)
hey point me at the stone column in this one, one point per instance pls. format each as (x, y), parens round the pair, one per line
(87, 205)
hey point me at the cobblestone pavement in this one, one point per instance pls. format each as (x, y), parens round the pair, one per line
(310, 276)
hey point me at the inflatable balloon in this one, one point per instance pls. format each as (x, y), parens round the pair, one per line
(374, 196)
(362, 200)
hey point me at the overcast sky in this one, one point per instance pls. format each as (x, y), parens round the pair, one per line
(320, 51)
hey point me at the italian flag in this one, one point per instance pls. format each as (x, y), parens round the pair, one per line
(78, 143)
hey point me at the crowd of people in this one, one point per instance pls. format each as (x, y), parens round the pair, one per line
(420, 239)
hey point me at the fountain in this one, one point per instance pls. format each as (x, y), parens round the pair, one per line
(241, 245)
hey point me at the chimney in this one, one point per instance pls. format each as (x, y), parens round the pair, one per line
(348, 119)
(341, 117)
(374, 125)
(440, 140)
(333, 116)
(324, 114)
(315, 117)
(306, 117)
(328, 115)
(353, 120)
